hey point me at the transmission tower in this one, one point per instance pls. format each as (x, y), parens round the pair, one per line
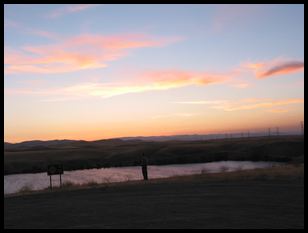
(277, 131)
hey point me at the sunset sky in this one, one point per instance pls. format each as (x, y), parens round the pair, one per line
(102, 71)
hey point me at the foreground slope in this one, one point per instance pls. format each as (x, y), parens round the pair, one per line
(270, 198)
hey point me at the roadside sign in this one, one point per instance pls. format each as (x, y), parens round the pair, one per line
(55, 169)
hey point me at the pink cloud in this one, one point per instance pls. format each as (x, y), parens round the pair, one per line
(275, 67)
(76, 53)
(284, 68)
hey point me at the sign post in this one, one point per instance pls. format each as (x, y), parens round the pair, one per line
(50, 182)
(55, 169)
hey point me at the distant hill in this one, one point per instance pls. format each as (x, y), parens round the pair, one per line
(201, 137)
(39, 145)
(70, 144)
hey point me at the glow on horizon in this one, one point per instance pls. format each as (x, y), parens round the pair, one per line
(99, 71)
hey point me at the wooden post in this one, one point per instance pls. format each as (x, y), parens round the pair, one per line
(60, 181)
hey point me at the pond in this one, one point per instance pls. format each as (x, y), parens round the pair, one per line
(39, 181)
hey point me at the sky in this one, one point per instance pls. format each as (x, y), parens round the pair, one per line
(95, 71)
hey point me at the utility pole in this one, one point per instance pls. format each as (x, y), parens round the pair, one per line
(302, 127)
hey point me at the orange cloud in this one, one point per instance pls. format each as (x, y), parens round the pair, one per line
(75, 53)
(276, 67)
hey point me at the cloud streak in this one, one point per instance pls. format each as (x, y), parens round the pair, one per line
(149, 81)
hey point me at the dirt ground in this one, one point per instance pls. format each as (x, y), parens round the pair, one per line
(189, 204)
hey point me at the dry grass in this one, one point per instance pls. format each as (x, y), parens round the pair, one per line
(25, 189)
(290, 172)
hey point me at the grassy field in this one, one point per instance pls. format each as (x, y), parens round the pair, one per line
(261, 198)
(113, 153)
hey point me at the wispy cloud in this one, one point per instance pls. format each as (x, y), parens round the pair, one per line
(76, 53)
(278, 110)
(69, 9)
(246, 104)
(8, 23)
(227, 15)
(22, 28)
(43, 33)
(149, 81)
(241, 105)
(242, 85)
(285, 68)
(202, 102)
(275, 67)
(181, 115)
